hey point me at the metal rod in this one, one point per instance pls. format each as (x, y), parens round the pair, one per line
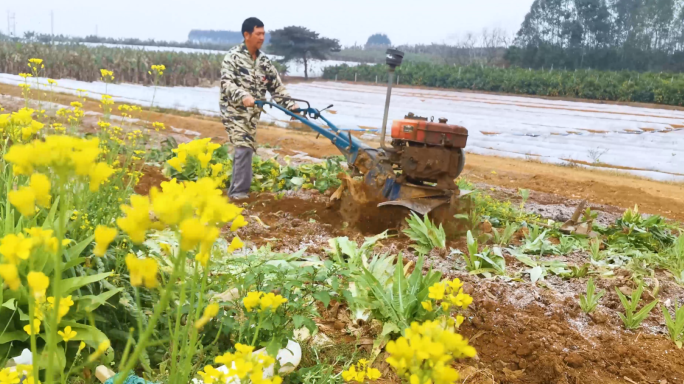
(383, 129)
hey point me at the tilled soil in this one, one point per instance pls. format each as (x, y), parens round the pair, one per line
(524, 333)
(573, 183)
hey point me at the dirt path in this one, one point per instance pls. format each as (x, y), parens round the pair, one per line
(523, 332)
(597, 186)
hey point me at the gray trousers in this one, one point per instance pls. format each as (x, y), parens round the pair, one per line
(242, 171)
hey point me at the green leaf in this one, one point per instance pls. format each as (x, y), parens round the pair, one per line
(76, 250)
(536, 273)
(298, 181)
(298, 321)
(323, 297)
(92, 302)
(10, 304)
(74, 283)
(389, 328)
(23, 316)
(74, 262)
(50, 219)
(91, 335)
(16, 335)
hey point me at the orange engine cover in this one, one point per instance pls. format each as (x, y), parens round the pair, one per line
(431, 133)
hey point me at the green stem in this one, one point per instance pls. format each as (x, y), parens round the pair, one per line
(151, 325)
(179, 310)
(127, 349)
(256, 334)
(34, 345)
(57, 282)
(140, 311)
(193, 338)
(71, 367)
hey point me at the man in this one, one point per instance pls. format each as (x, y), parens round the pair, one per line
(246, 75)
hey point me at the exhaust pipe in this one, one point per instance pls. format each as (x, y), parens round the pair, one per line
(393, 60)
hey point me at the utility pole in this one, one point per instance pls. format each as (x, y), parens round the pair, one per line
(11, 24)
(52, 27)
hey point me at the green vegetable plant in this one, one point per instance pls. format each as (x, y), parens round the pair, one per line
(537, 242)
(425, 233)
(633, 318)
(589, 301)
(633, 231)
(503, 237)
(673, 259)
(398, 303)
(525, 195)
(675, 327)
(595, 249)
(484, 262)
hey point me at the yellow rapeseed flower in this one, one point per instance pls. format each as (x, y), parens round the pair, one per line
(437, 291)
(24, 200)
(67, 334)
(38, 283)
(238, 223)
(235, 244)
(99, 174)
(35, 329)
(271, 302)
(209, 313)
(65, 304)
(103, 237)
(15, 248)
(10, 275)
(137, 220)
(101, 349)
(142, 271)
(43, 237)
(211, 375)
(252, 300)
(40, 184)
(9, 376)
(425, 352)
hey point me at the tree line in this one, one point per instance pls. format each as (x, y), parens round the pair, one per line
(643, 35)
(650, 87)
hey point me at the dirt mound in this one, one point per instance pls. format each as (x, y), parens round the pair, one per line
(523, 333)
(152, 177)
(551, 341)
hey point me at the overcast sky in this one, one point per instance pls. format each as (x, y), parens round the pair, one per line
(350, 21)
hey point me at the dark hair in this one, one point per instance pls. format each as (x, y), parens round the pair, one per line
(251, 23)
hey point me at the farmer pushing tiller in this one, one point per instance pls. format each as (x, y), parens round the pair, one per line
(417, 172)
(246, 75)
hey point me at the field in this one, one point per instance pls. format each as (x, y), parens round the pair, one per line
(185, 66)
(347, 295)
(561, 132)
(646, 87)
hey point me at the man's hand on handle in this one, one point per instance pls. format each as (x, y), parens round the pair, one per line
(248, 101)
(294, 109)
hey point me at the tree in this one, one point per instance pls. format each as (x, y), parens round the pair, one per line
(603, 34)
(378, 40)
(301, 44)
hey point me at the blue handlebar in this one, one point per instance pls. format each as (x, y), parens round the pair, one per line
(347, 144)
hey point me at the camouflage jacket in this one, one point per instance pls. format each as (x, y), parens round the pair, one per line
(242, 76)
